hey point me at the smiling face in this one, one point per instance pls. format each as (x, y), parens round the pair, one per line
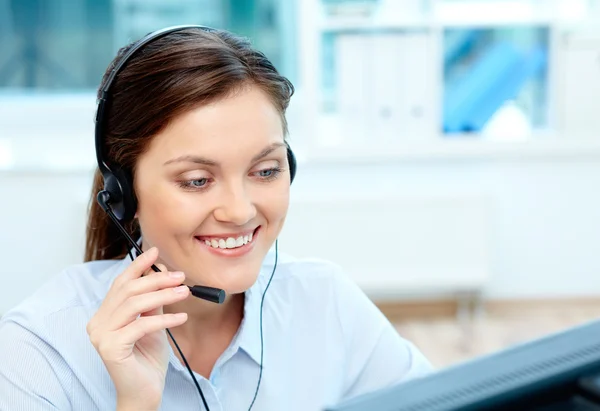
(213, 190)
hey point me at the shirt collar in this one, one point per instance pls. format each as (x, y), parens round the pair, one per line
(249, 336)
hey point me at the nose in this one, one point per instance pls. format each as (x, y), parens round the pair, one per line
(236, 207)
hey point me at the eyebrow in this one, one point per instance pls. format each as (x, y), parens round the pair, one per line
(207, 162)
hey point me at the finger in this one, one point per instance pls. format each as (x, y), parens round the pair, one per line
(150, 271)
(137, 268)
(143, 285)
(155, 311)
(112, 301)
(117, 346)
(135, 306)
(153, 282)
(159, 310)
(143, 326)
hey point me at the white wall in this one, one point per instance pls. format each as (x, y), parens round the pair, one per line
(545, 217)
(545, 221)
(42, 224)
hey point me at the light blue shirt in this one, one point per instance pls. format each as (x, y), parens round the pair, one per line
(324, 341)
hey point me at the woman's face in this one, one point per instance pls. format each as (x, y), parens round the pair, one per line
(210, 193)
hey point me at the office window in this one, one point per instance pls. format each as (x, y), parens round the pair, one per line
(65, 45)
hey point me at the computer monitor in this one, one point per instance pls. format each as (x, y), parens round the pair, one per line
(559, 372)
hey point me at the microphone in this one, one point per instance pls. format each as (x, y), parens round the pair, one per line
(215, 295)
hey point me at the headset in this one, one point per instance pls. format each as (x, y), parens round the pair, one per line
(118, 199)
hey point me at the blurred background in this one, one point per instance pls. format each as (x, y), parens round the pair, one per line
(449, 150)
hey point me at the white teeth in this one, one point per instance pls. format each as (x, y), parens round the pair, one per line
(229, 242)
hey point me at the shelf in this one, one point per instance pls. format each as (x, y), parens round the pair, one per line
(371, 26)
(361, 25)
(457, 149)
(392, 15)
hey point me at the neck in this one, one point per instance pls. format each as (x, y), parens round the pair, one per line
(209, 330)
(206, 318)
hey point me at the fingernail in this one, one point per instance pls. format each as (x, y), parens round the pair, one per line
(181, 289)
(176, 274)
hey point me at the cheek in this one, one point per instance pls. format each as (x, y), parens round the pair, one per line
(274, 205)
(170, 209)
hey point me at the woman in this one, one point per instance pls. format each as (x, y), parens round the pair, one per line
(196, 119)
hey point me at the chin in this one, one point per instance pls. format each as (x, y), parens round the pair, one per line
(239, 287)
(234, 277)
(237, 281)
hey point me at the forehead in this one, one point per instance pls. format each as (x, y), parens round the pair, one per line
(246, 120)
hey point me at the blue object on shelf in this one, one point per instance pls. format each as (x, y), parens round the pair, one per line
(463, 98)
(507, 89)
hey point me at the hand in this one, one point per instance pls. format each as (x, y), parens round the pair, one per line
(128, 330)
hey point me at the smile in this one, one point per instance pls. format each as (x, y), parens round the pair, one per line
(239, 242)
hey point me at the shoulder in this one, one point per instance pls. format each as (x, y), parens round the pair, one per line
(79, 286)
(44, 348)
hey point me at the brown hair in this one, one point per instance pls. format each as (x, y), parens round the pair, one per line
(168, 76)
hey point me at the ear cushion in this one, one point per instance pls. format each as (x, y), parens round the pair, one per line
(122, 198)
(292, 163)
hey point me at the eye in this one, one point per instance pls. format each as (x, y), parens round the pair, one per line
(197, 183)
(266, 173)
